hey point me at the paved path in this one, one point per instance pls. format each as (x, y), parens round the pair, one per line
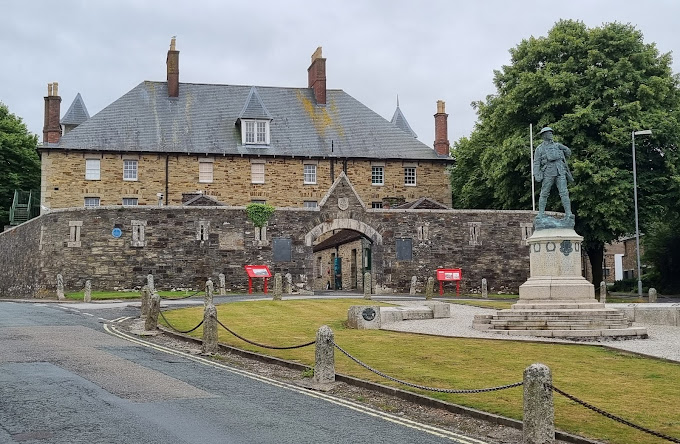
(68, 376)
(663, 341)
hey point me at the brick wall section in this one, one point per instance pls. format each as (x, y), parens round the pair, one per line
(64, 184)
(20, 260)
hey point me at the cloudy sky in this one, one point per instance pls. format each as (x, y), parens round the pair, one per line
(422, 51)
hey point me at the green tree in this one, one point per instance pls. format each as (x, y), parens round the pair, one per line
(593, 86)
(19, 162)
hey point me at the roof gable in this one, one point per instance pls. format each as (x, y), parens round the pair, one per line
(254, 108)
(400, 122)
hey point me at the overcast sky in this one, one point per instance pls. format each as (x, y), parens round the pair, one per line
(422, 51)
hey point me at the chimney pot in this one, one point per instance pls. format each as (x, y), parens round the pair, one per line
(316, 75)
(172, 63)
(441, 131)
(52, 127)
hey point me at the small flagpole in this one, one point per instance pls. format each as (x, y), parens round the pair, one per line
(531, 153)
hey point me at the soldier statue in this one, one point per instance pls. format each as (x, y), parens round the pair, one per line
(550, 167)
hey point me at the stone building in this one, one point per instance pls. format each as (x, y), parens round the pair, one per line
(235, 144)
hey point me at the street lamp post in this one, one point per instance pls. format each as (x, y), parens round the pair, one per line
(637, 228)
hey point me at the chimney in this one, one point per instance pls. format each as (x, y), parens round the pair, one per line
(316, 73)
(52, 128)
(441, 131)
(172, 63)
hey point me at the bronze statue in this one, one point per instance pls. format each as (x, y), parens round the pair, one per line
(550, 167)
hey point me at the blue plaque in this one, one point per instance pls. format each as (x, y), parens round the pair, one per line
(117, 232)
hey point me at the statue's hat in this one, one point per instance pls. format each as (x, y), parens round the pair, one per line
(546, 129)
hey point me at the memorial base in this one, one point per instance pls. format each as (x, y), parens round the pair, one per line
(557, 301)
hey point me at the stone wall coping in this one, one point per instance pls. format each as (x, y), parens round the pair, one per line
(303, 209)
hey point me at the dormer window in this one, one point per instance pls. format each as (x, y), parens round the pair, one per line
(255, 132)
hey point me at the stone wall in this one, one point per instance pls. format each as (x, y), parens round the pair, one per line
(20, 260)
(64, 184)
(183, 246)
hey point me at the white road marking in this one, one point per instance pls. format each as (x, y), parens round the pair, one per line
(332, 399)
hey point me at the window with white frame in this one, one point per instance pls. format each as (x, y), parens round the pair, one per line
(92, 169)
(130, 201)
(91, 202)
(410, 176)
(255, 132)
(205, 170)
(378, 175)
(257, 173)
(309, 174)
(310, 204)
(129, 169)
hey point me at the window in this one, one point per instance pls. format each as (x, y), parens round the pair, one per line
(410, 176)
(255, 132)
(205, 170)
(309, 174)
(202, 230)
(129, 169)
(475, 231)
(74, 233)
(377, 175)
(138, 238)
(376, 205)
(130, 201)
(310, 204)
(92, 169)
(91, 202)
(257, 172)
(259, 201)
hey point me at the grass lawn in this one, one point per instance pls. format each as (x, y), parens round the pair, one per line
(108, 295)
(641, 390)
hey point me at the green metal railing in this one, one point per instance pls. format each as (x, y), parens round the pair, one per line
(25, 206)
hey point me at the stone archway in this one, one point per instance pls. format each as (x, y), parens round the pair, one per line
(368, 232)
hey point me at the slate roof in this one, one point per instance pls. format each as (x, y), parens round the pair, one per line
(254, 108)
(340, 238)
(424, 203)
(203, 120)
(77, 112)
(400, 121)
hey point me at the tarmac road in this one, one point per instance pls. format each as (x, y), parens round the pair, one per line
(68, 376)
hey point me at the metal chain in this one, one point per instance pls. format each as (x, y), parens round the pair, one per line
(422, 387)
(262, 345)
(180, 298)
(179, 331)
(614, 417)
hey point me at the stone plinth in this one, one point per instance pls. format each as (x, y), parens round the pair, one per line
(556, 300)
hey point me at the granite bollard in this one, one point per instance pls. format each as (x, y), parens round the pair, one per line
(223, 285)
(485, 289)
(151, 322)
(429, 290)
(210, 344)
(289, 283)
(414, 281)
(278, 283)
(150, 283)
(209, 293)
(652, 295)
(145, 296)
(367, 285)
(324, 362)
(87, 295)
(539, 412)
(603, 292)
(60, 287)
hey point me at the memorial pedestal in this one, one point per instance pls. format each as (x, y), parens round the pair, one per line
(556, 300)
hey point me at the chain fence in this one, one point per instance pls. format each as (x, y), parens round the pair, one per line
(423, 387)
(173, 328)
(272, 347)
(614, 417)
